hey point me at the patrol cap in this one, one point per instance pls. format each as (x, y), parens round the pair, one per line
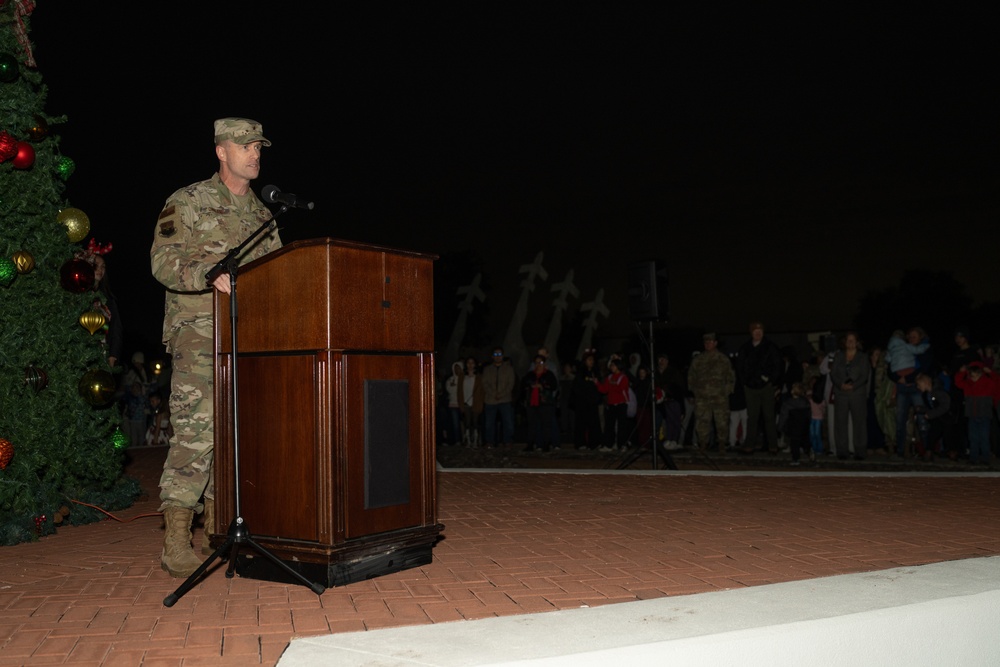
(240, 131)
(709, 336)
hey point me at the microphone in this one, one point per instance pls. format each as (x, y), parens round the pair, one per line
(272, 195)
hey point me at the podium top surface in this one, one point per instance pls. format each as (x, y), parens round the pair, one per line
(328, 293)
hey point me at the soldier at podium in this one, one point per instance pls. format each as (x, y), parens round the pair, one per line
(198, 226)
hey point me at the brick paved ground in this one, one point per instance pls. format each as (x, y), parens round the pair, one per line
(514, 543)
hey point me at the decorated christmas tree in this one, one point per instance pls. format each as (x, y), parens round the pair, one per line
(61, 449)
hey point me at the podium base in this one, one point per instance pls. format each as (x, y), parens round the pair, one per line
(252, 566)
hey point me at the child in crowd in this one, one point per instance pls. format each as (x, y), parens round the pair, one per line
(901, 354)
(795, 419)
(160, 429)
(980, 388)
(936, 409)
(817, 408)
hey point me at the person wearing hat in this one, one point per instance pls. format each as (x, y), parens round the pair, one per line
(137, 371)
(199, 224)
(711, 378)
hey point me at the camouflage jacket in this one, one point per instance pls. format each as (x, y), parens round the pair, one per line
(711, 374)
(198, 225)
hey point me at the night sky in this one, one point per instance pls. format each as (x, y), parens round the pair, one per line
(778, 164)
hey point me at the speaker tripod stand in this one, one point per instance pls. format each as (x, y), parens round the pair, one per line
(655, 447)
(239, 533)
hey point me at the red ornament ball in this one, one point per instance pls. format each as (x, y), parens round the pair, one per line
(6, 453)
(77, 276)
(8, 146)
(25, 157)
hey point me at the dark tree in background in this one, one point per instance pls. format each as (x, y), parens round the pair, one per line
(934, 300)
(60, 445)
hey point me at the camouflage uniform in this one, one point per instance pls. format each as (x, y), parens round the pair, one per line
(711, 379)
(198, 225)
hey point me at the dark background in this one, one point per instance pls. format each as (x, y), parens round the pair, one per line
(780, 163)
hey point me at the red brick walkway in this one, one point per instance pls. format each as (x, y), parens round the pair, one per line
(515, 543)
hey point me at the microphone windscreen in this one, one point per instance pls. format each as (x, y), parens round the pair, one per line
(268, 192)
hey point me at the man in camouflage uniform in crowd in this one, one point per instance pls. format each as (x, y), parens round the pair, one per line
(198, 226)
(711, 379)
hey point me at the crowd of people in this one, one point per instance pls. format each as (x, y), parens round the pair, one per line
(897, 399)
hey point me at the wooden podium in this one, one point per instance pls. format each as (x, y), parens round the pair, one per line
(336, 412)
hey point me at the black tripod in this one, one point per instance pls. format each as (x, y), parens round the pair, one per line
(653, 443)
(239, 533)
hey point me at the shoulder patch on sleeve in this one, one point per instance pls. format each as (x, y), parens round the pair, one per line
(166, 221)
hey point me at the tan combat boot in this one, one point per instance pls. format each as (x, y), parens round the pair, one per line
(206, 543)
(178, 557)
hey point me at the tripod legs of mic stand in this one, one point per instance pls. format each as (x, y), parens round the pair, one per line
(657, 451)
(238, 535)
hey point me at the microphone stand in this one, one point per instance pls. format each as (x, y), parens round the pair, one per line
(239, 533)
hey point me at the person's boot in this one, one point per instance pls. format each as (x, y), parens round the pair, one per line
(206, 544)
(178, 557)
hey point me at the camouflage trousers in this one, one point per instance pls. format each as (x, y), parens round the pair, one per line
(709, 409)
(187, 471)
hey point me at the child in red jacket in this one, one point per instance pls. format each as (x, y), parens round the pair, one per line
(981, 391)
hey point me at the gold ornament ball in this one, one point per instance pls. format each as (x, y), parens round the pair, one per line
(97, 387)
(24, 261)
(77, 223)
(92, 321)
